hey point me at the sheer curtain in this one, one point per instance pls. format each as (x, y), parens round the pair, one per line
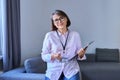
(11, 48)
(0, 27)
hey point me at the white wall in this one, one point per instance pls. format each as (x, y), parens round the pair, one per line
(97, 20)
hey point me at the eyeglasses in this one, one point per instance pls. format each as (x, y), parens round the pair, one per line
(60, 19)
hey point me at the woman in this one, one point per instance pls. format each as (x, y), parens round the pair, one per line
(61, 49)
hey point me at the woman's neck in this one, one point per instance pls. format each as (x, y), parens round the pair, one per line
(62, 31)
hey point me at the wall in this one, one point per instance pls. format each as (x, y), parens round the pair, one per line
(97, 20)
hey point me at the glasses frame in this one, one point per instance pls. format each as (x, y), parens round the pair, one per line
(62, 19)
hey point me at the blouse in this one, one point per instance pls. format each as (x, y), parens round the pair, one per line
(53, 44)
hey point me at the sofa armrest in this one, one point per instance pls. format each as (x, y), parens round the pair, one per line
(90, 57)
(19, 74)
(35, 65)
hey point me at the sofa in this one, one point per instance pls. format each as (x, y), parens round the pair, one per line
(33, 69)
(102, 65)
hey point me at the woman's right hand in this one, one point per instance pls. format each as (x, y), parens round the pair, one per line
(56, 56)
(81, 53)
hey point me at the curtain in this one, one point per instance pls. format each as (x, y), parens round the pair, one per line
(12, 48)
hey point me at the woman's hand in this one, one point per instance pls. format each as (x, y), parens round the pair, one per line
(56, 56)
(81, 53)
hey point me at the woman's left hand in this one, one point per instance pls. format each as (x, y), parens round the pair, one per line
(81, 53)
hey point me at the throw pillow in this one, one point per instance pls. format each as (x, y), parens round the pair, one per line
(35, 65)
(107, 55)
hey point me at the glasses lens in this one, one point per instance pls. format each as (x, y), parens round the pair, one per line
(60, 19)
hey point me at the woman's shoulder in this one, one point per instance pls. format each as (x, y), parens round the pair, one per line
(74, 32)
(50, 33)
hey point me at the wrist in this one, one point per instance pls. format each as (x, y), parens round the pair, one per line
(52, 57)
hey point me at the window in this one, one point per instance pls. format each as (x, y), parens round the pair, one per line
(0, 27)
(1, 61)
(2, 22)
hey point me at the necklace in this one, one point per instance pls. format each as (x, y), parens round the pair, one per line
(63, 45)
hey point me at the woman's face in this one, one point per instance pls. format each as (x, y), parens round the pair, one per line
(59, 21)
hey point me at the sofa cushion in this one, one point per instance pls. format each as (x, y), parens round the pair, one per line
(100, 71)
(35, 65)
(107, 55)
(90, 57)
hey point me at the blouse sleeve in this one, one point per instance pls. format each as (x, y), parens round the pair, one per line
(78, 42)
(46, 54)
(79, 46)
